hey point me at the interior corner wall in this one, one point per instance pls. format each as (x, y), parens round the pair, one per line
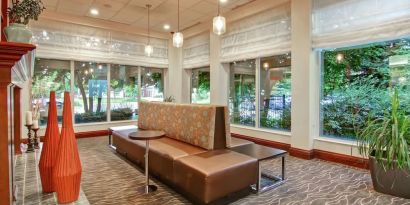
(305, 112)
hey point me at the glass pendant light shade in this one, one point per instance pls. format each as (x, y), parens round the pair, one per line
(178, 39)
(219, 25)
(149, 50)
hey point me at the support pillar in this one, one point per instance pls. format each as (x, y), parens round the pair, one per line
(305, 82)
(178, 79)
(219, 72)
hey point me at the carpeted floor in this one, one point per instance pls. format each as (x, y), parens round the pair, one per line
(109, 179)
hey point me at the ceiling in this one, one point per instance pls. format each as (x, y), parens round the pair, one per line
(134, 13)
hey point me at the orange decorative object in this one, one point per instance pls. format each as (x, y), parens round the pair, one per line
(50, 147)
(67, 170)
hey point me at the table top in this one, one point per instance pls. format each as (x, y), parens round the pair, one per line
(259, 152)
(146, 135)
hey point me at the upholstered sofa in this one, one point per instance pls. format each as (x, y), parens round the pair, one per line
(193, 157)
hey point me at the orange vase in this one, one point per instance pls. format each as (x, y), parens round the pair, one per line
(50, 146)
(67, 169)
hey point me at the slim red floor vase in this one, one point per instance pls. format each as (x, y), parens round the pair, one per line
(50, 147)
(67, 170)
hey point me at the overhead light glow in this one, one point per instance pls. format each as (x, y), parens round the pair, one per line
(178, 39)
(94, 12)
(219, 25)
(339, 57)
(149, 50)
(266, 65)
(166, 27)
(223, 1)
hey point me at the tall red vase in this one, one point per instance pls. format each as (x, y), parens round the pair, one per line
(50, 147)
(67, 169)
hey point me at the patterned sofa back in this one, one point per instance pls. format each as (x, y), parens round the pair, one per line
(205, 126)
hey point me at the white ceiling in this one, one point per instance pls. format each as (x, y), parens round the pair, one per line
(134, 13)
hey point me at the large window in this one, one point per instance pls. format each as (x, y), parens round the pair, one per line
(124, 92)
(356, 82)
(50, 75)
(275, 92)
(200, 86)
(152, 84)
(242, 92)
(90, 93)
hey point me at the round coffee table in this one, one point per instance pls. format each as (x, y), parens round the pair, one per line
(147, 135)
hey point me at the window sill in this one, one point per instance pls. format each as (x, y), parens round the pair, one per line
(277, 132)
(337, 141)
(97, 123)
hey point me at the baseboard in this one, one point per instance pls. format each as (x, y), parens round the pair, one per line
(268, 143)
(310, 154)
(301, 153)
(78, 135)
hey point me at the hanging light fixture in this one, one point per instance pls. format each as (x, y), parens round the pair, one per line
(178, 37)
(219, 22)
(148, 48)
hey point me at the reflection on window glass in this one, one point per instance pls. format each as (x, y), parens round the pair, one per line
(356, 82)
(152, 84)
(50, 75)
(200, 86)
(124, 92)
(90, 93)
(242, 92)
(275, 92)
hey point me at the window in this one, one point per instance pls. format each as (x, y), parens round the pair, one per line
(356, 82)
(90, 92)
(50, 75)
(200, 86)
(275, 92)
(152, 84)
(124, 92)
(242, 92)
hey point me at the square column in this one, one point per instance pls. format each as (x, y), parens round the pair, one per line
(305, 82)
(219, 72)
(177, 82)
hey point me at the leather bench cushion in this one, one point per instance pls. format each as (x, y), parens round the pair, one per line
(162, 152)
(236, 142)
(214, 174)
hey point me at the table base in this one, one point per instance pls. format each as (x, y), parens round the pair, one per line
(147, 189)
(268, 182)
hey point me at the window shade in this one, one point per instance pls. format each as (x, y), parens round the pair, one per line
(196, 51)
(61, 40)
(351, 22)
(264, 34)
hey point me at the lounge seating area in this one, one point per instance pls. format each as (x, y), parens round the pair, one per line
(287, 102)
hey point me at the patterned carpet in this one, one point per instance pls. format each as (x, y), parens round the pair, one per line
(109, 179)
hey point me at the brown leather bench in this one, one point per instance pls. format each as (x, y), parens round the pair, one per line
(203, 169)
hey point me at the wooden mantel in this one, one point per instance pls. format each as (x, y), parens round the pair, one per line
(10, 54)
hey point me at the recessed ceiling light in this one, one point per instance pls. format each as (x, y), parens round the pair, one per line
(94, 12)
(223, 1)
(167, 26)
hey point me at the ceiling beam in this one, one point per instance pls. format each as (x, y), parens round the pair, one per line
(236, 14)
(100, 23)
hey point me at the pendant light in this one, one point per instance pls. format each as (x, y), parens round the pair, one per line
(178, 37)
(219, 22)
(148, 48)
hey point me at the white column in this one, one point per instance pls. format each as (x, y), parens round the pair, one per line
(178, 79)
(219, 72)
(305, 78)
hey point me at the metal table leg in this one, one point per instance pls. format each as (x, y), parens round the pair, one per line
(266, 182)
(147, 188)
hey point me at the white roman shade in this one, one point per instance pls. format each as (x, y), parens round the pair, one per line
(196, 51)
(264, 34)
(339, 23)
(61, 40)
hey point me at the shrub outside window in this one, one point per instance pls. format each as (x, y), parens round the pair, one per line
(356, 83)
(200, 86)
(152, 84)
(50, 75)
(275, 92)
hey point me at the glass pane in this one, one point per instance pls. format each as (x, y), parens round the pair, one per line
(50, 75)
(356, 82)
(242, 93)
(124, 92)
(200, 86)
(275, 92)
(152, 84)
(90, 93)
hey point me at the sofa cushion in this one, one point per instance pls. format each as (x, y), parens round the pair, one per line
(162, 152)
(214, 174)
(193, 124)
